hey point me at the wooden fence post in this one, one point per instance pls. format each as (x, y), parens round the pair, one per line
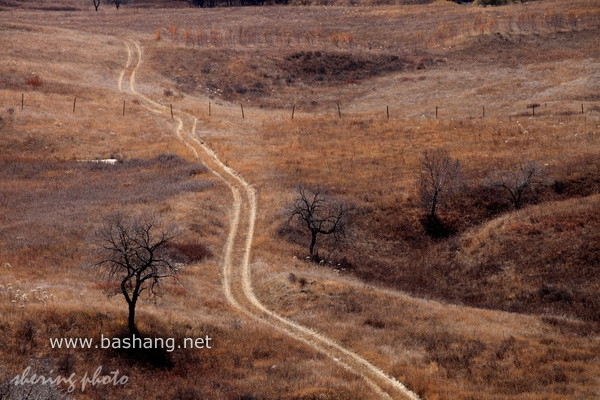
(293, 110)
(242, 107)
(533, 106)
(123, 107)
(74, 102)
(339, 110)
(209, 110)
(171, 110)
(22, 100)
(387, 111)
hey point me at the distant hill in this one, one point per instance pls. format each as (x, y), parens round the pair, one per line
(71, 5)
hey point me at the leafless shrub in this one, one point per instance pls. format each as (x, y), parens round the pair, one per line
(439, 177)
(292, 277)
(375, 323)
(319, 215)
(188, 252)
(118, 3)
(196, 170)
(515, 182)
(34, 81)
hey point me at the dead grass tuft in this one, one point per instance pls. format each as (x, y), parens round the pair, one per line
(34, 81)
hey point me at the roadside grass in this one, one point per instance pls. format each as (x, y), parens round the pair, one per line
(441, 351)
(244, 360)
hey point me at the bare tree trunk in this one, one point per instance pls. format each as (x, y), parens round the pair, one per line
(131, 318)
(434, 201)
(313, 241)
(516, 199)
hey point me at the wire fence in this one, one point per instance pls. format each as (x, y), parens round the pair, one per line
(336, 109)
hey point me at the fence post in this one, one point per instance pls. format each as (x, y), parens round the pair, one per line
(209, 111)
(339, 110)
(387, 111)
(293, 110)
(74, 102)
(483, 112)
(436, 112)
(171, 110)
(22, 100)
(123, 107)
(242, 107)
(533, 106)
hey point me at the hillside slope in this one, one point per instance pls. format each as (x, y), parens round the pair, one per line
(540, 259)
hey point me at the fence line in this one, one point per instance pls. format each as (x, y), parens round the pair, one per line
(529, 110)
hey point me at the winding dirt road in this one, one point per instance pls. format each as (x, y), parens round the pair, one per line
(237, 283)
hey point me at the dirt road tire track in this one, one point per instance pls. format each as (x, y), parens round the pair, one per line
(237, 283)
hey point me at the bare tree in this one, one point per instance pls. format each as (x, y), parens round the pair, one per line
(319, 215)
(96, 4)
(516, 181)
(132, 252)
(440, 175)
(117, 3)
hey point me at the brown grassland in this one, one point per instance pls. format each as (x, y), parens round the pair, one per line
(497, 304)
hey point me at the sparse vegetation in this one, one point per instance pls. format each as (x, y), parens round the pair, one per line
(517, 315)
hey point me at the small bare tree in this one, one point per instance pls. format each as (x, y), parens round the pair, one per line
(117, 3)
(132, 252)
(516, 181)
(321, 216)
(440, 175)
(96, 4)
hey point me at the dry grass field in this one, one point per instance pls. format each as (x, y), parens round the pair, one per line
(495, 303)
